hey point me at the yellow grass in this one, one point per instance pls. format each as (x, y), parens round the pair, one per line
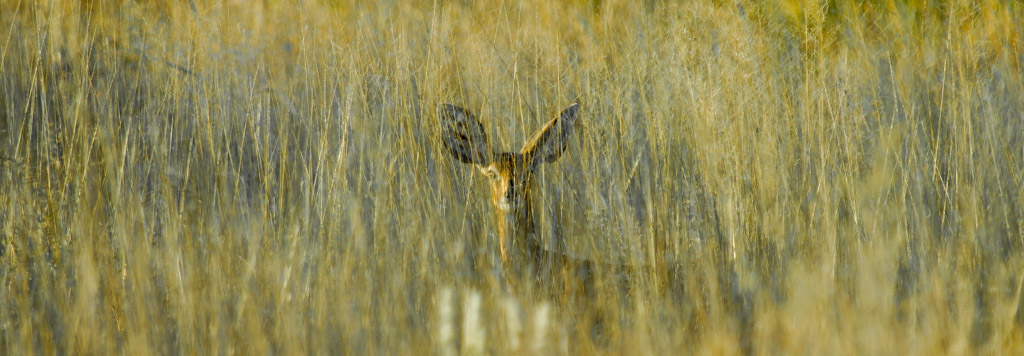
(267, 177)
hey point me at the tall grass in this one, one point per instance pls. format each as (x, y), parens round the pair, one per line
(211, 177)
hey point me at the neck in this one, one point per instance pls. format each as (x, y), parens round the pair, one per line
(517, 231)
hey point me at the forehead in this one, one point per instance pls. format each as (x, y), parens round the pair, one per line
(508, 162)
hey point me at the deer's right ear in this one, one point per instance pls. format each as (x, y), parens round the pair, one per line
(463, 135)
(551, 140)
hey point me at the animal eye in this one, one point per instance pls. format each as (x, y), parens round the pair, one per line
(491, 173)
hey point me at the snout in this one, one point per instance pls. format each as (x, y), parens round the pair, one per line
(503, 204)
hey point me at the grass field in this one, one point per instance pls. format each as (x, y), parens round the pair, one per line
(245, 177)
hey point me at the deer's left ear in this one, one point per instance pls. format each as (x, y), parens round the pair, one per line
(551, 140)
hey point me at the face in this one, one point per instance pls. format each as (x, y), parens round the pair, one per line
(509, 179)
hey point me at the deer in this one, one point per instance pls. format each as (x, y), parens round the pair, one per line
(511, 178)
(510, 175)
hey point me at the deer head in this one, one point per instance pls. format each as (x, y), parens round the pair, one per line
(510, 174)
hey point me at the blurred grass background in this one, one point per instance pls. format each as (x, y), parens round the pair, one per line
(266, 177)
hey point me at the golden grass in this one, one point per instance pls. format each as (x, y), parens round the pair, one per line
(238, 177)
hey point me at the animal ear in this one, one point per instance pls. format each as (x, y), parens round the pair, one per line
(551, 140)
(463, 135)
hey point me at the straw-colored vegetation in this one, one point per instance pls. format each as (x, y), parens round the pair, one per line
(253, 177)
